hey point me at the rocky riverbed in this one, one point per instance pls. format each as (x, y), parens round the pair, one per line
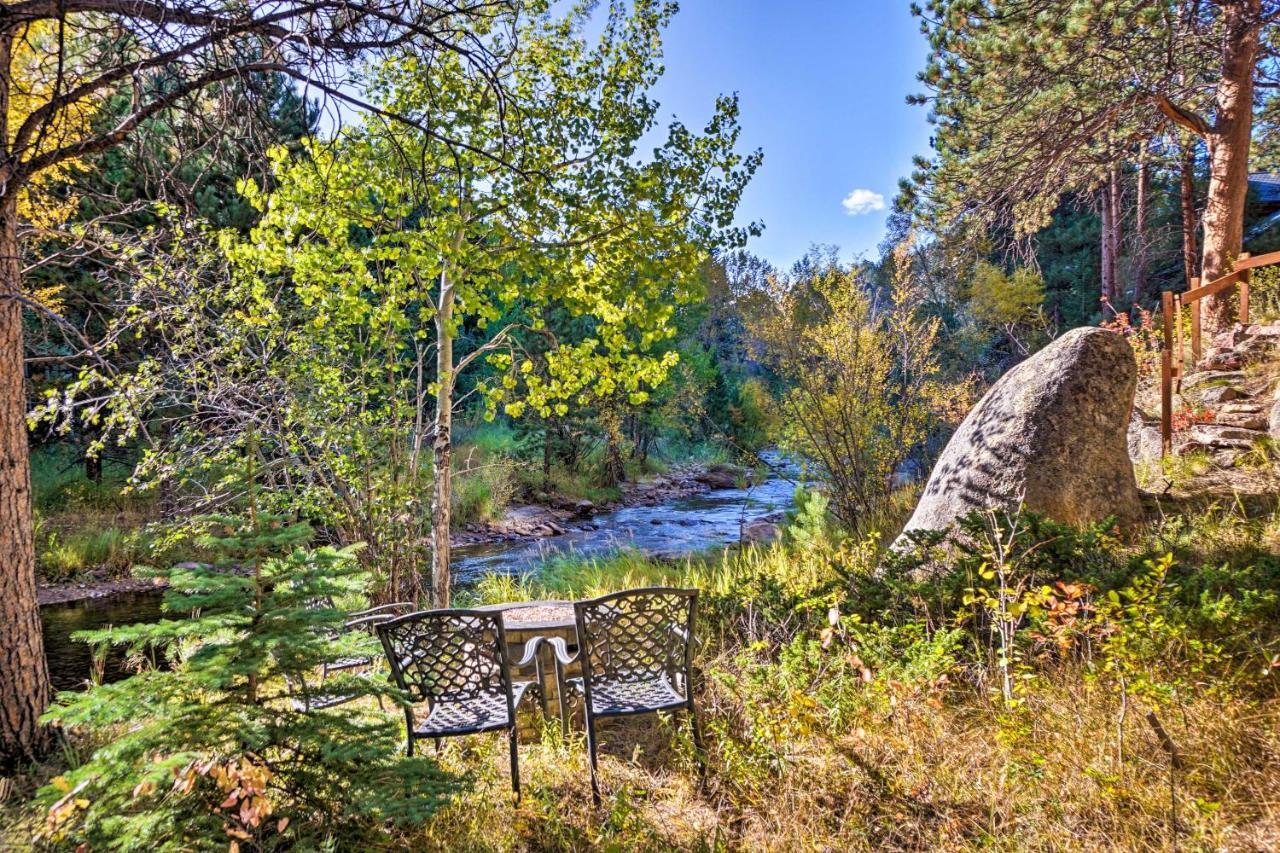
(559, 514)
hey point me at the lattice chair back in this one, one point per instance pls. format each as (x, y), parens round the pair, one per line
(448, 655)
(636, 635)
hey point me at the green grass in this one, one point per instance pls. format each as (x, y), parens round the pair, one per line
(58, 483)
(82, 526)
(844, 708)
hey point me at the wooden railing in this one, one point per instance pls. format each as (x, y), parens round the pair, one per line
(1171, 368)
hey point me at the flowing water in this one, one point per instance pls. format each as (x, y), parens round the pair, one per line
(671, 529)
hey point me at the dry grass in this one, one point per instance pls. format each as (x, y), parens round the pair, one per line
(889, 736)
(915, 773)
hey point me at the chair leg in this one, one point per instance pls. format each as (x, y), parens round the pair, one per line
(562, 690)
(515, 762)
(699, 749)
(591, 752)
(540, 674)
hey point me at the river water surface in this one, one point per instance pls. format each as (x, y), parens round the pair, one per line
(671, 529)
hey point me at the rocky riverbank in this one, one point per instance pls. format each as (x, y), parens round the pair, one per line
(536, 521)
(521, 522)
(93, 585)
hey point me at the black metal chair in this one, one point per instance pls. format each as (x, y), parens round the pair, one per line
(306, 697)
(636, 653)
(456, 662)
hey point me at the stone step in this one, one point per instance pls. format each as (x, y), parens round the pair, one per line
(1205, 377)
(1246, 406)
(1263, 330)
(1217, 395)
(1256, 420)
(1217, 360)
(1254, 349)
(1218, 436)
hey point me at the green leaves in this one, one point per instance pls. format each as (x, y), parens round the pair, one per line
(182, 743)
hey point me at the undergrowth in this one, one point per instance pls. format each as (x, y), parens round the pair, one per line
(989, 692)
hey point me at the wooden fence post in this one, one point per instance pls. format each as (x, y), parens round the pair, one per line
(1179, 361)
(1244, 292)
(1166, 375)
(1195, 325)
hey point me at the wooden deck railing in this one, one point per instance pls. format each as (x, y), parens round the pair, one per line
(1172, 368)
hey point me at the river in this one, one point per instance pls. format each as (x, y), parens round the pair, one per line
(675, 528)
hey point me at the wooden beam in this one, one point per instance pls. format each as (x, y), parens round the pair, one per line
(1248, 262)
(1195, 325)
(1245, 275)
(1179, 363)
(1166, 375)
(1214, 287)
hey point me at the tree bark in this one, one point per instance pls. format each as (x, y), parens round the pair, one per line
(1110, 237)
(1228, 144)
(1188, 200)
(24, 676)
(1140, 230)
(442, 447)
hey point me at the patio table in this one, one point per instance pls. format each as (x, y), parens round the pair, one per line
(524, 620)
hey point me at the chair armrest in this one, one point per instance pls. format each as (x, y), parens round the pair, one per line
(531, 650)
(372, 619)
(561, 649)
(558, 647)
(406, 606)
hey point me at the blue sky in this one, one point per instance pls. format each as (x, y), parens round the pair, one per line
(822, 86)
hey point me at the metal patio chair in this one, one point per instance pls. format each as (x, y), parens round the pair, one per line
(306, 697)
(636, 653)
(456, 662)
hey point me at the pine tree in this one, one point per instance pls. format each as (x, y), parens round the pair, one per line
(212, 748)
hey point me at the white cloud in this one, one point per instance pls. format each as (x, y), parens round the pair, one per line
(861, 201)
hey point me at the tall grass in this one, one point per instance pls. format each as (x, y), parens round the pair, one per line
(81, 525)
(849, 709)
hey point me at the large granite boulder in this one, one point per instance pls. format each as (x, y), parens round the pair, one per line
(1051, 434)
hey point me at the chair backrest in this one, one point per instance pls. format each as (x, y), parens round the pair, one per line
(636, 635)
(448, 655)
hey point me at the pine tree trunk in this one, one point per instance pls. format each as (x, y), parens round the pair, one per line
(1188, 201)
(1109, 242)
(1140, 231)
(24, 676)
(442, 448)
(1229, 155)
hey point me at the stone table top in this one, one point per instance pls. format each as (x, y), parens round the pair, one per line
(535, 615)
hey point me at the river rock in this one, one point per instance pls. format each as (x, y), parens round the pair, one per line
(1050, 434)
(719, 477)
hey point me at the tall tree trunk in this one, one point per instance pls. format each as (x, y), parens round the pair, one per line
(24, 676)
(1228, 143)
(1188, 200)
(1110, 229)
(1140, 229)
(442, 447)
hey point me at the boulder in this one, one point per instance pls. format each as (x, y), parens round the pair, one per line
(1273, 420)
(760, 530)
(1049, 435)
(719, 477)
(1144, 437)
